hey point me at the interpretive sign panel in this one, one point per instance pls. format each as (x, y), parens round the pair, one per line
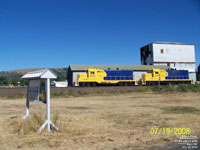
(37, 92)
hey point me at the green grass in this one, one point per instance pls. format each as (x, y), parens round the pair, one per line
(179, 88)
(176, 88)
(18, 96)
(181, 110)
(63, 94)
(143, 89)
(70, 93)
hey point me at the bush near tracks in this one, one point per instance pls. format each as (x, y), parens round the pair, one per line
(177, 88)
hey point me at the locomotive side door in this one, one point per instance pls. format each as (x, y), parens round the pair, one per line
(156, 75)
(91, 75)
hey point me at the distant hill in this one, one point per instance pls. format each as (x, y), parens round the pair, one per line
(60, 72)
(14, 76)
(24, 71)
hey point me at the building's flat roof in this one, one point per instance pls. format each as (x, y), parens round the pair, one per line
(120, 67)
(174, 43)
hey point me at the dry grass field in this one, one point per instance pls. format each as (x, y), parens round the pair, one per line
(109, 122)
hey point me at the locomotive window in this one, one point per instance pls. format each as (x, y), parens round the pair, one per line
(156, 72)
(92, 73)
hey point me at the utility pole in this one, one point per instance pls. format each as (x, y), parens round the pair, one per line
(159, 82)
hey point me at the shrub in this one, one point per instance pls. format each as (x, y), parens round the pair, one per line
(183, 88)
(28, 126)
(194, 88)
(144, 89)
(171, 88)
(31, 124)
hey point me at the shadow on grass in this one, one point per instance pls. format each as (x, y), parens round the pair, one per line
(77, 107)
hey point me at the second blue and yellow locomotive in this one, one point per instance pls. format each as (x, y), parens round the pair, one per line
(158, 76)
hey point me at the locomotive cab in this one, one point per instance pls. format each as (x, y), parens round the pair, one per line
(92, 77)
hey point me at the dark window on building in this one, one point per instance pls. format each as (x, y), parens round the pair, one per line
(117, 68)
(108, 68)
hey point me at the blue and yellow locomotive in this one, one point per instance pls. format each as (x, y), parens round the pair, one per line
(95, 77)
(158, 76)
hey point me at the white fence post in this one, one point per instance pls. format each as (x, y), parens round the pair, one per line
(27, 103)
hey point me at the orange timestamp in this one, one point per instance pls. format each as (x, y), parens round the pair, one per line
(170, 131)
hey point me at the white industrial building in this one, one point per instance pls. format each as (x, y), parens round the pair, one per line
(174, 55)
(60, 83)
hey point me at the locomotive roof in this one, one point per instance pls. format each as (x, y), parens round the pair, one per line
(117, 67)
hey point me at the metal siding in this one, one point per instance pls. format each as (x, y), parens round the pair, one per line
(192, 75)
(189, 67)
(138, 75)
(61, 84)
(174, 53)
(177, 66)
(78, 68)
(75, 78)
(163, 64)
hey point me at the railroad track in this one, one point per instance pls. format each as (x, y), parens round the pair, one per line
(21, 91)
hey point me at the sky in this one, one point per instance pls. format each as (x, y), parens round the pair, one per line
(57, 33)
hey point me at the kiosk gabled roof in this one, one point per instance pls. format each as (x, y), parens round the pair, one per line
(40, 74)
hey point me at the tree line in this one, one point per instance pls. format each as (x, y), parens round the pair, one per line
(13, 78)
